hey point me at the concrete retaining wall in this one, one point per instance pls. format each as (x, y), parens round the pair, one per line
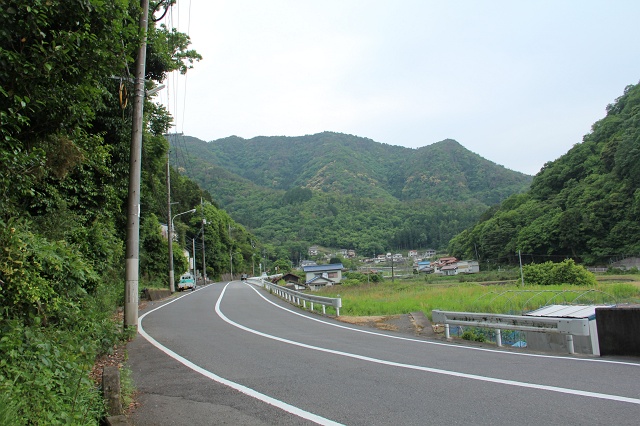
(156, 294)
(618, 330)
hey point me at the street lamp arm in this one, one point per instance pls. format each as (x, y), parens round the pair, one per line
(180, 214)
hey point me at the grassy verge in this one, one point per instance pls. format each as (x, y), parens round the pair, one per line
(404, 296)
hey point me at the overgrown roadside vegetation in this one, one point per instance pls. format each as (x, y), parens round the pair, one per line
(65, 132)
(485, 295)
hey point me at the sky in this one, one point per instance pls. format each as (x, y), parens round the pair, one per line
(518, 82)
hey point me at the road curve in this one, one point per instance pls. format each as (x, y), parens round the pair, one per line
(318, 370)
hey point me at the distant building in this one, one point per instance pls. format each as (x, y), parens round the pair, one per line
(468, 267)
(429, 253)
(322, 275)
(313, 251)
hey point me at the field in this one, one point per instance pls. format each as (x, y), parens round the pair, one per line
(448, 293)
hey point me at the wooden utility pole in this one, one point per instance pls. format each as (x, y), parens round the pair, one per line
(132, 259)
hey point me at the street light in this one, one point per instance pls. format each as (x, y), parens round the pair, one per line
(172, 287)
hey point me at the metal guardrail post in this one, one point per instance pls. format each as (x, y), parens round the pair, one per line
(570, 344)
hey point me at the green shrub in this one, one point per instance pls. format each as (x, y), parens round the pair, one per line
(565, 272)
(56, 317)
(40, 278)
(45, 372)
(473, 336)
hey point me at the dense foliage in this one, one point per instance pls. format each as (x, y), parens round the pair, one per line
(344, 191)
(584, 205)
(65, 133)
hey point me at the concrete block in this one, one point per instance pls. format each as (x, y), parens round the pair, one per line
(111, 390)
(154, 294)
(120, 420)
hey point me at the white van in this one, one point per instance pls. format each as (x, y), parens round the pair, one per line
(186, 281)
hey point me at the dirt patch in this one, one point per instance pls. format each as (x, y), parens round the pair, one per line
(400, 323)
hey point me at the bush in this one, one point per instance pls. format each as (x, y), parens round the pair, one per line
(565, 272)
(56, 317)
(472, 336)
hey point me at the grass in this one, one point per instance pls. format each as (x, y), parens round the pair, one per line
(404, 296)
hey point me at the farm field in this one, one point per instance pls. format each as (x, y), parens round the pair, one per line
(507, 297)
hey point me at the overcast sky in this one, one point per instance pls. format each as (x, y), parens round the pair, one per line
(517, 82)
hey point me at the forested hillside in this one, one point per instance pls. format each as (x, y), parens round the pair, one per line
(346, 191)
(585, 204)
(65, 132)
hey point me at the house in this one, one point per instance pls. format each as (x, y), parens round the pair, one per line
(429, 253)
(425, 269)
(322, 275)
(468, 267)
(423, 264)
(449, 269)
(317, 283)
(304, 263)
(292, 282)
(313, 251)
(351, 254)
(291, 278)
(413, 253)
(381, 258)
(343, 252)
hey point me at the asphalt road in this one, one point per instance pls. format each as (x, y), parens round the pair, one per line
(234, 354)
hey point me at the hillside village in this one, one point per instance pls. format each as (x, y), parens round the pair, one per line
(422, 262)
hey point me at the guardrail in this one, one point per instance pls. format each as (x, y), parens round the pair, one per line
(300, 298)
(568, 326)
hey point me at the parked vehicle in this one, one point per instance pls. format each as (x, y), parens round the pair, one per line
(186, 281)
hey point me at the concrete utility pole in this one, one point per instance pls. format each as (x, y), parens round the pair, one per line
(204, 265)
(132, 259)
(171, 273)
(172, 287)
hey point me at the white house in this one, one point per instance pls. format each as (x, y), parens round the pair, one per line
(468, 267)
(429, 253)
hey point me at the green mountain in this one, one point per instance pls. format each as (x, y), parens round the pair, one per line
(585, 204)
(342, 190)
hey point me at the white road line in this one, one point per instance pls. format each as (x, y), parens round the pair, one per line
(241, 388)
(429, 342)
(426, 369)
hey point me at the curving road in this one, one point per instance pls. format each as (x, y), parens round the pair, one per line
(297, 368)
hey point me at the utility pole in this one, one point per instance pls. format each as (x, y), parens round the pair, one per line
(193, 258)
(172, 288)
(521, 273)
(204, 265)
(132, 259)
(393, 278)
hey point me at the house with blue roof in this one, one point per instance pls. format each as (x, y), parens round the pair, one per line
(318, 276)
